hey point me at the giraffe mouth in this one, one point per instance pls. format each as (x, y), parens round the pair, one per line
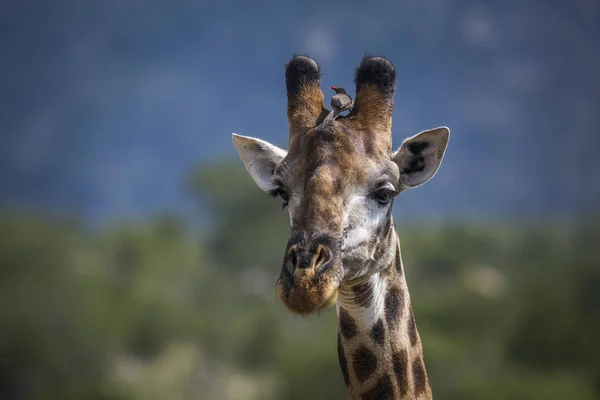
(305, 290)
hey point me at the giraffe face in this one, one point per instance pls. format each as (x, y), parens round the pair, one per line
(339, 199)
(338, 181)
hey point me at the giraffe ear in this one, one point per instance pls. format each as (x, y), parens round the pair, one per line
(420, 156)
(260, 158)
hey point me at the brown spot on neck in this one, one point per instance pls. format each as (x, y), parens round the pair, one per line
(419, 376)
(364, 363)
(394, 303)
(347, 324)
(383, 389)
(398, 258)
(400, 360)
(378, 333)
(412, 328)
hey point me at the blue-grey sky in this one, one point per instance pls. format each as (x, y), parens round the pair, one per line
(106, 106)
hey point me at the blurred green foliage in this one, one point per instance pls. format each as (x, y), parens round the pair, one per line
(155, 310)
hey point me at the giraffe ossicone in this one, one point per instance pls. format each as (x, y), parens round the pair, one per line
(338, 181)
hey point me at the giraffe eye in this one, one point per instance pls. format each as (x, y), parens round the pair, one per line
(284, 196)
(281, 192)
(383, 195)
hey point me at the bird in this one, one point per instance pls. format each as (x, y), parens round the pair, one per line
(340, 102)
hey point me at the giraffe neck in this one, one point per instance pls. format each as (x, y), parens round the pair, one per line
(379, 347)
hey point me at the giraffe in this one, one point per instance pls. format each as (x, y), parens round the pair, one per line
(338, 180)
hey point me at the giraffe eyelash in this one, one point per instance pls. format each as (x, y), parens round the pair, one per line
(281, 193)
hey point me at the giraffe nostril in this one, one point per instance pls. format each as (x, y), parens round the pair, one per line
(321, 257)
(293, 257)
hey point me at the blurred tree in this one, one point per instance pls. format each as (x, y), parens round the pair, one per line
(51, 345)
(506, 310)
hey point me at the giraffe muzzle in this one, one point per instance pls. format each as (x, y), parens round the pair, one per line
(311, 273)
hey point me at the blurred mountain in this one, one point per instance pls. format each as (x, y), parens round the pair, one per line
(106, 106)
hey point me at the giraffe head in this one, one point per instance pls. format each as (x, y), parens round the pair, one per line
(338, 179)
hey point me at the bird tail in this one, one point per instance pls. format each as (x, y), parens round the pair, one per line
(331, 116)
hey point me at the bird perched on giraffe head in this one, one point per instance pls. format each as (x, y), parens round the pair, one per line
(340, 102)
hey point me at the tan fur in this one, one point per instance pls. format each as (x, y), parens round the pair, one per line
(306, 109)
(373, 112)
